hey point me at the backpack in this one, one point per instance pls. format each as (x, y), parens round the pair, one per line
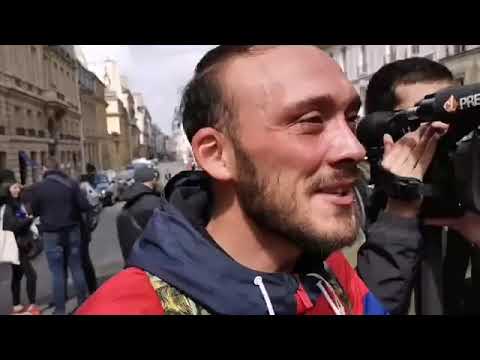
(91, 218)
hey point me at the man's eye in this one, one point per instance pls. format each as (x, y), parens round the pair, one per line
(312, 117)
(310, 120)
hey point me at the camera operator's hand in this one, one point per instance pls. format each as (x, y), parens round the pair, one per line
(410, 157)
(468, 226)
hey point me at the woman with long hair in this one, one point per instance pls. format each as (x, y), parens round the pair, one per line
(17, 220)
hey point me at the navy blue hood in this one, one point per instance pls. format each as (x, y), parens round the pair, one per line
(180, 251)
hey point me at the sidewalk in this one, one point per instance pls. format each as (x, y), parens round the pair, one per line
(71, 304)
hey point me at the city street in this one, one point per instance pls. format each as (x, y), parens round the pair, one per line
(104, 250)
(105, 253)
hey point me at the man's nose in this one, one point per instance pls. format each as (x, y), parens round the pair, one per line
(345, 145)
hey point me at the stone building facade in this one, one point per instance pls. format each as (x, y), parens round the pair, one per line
(39, 109)
(94, 119)
(118, 131)
(360, 62)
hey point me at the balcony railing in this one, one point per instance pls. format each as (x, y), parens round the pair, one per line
(69, 137)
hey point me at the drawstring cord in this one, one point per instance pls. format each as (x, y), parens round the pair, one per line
(259, 282)
(335, 303)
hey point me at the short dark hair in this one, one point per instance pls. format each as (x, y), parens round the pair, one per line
(90, 168)
(381, 95)
(204, 102)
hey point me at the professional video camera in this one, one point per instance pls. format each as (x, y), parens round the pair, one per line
(452, 182)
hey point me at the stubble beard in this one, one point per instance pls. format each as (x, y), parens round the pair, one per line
(276, 210)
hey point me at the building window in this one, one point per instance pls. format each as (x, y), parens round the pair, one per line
(61, 69)
(362, 63)
(390, 53)
(68, 74)
(33, 49)
(457, 49)
(2, 130)
(3, 160)
(415, 49)
(43, 158)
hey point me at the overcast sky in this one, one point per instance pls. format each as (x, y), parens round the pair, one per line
(157, 71)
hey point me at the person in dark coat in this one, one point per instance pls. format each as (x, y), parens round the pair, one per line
(17, 220)
(141, 199)
(59, 203)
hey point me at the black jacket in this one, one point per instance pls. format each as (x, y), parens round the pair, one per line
(139, 206)
(386, 262)
(389, 260)
(58, 201)
(19, 226)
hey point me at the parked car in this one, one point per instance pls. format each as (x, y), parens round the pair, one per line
(107, 189)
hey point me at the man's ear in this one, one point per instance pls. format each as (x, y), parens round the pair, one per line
(210, 148)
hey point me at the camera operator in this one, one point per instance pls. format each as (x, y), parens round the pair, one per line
(397, 86)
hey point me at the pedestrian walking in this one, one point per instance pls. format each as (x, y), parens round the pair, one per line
(87, 226)
(17, 220)
(141, 199)
(59, 203)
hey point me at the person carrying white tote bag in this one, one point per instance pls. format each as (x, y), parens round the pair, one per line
(8, 244)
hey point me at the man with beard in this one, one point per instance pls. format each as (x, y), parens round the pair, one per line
(273, 129)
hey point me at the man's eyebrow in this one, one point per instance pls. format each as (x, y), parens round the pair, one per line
(305, 104)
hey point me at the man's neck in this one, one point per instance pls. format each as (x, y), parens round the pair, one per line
(249, 245)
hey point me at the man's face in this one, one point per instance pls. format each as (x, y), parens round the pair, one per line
(409, 94)
(294, 146)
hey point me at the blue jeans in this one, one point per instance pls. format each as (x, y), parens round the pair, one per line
(58, 244)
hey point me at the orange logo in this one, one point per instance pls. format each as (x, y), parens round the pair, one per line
(451, 105)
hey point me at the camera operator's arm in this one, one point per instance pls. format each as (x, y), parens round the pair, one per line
(468, 226)
(388, 260)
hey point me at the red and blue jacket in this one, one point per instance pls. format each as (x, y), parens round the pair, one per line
(177, 268)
